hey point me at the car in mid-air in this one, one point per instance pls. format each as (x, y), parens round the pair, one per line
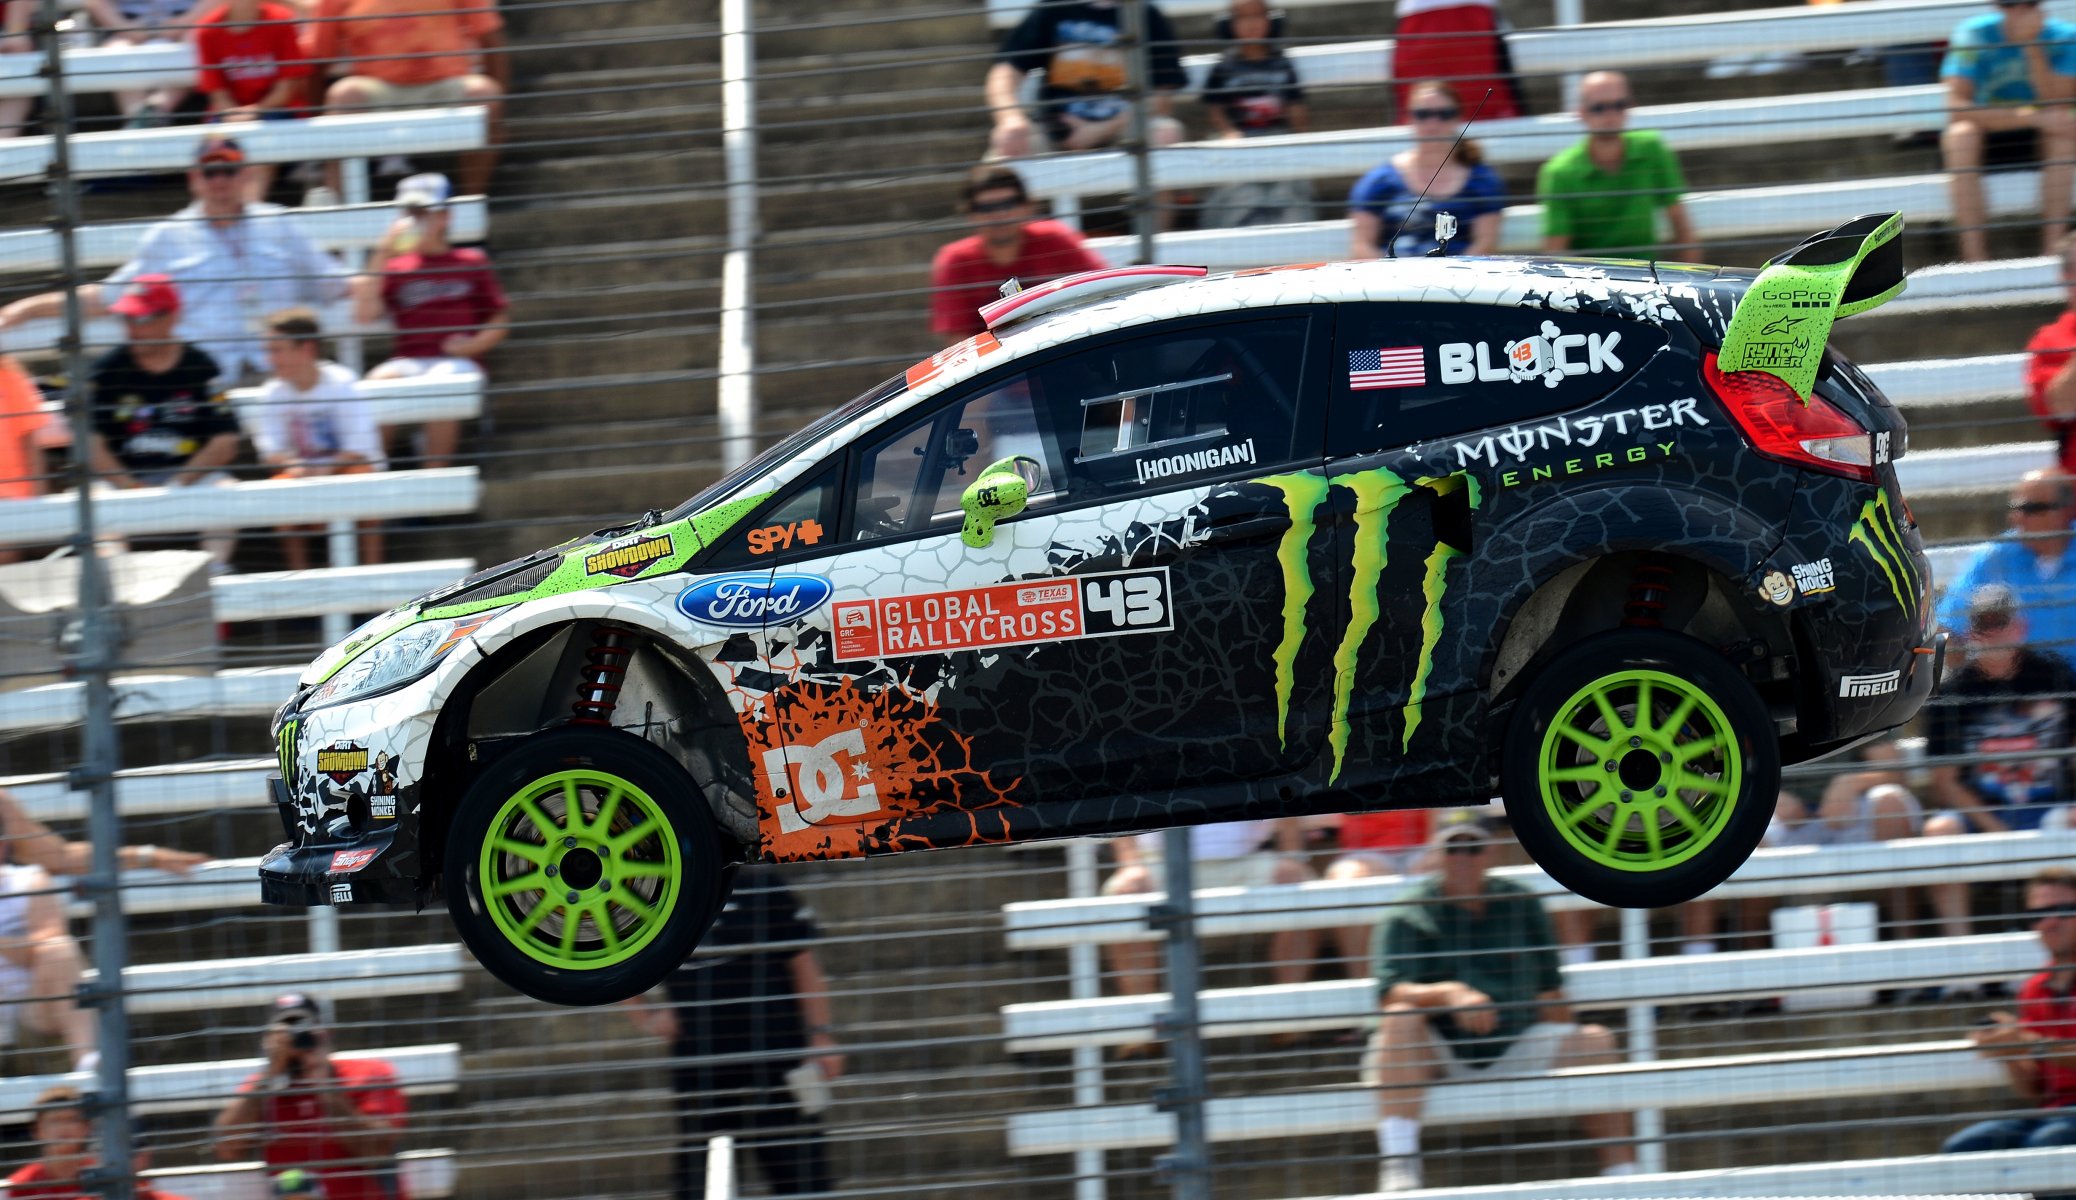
(1613, 539)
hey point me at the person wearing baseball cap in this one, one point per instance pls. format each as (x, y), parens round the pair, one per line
(234, 261)
(444, 300)
(1467, 977)
(314, 1112)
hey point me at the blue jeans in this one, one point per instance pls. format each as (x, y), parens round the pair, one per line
(2013, 1133)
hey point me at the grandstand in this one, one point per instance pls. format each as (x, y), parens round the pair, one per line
(966, 986)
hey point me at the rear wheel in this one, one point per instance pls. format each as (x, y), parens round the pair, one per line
(1640, 769)
(583, 867)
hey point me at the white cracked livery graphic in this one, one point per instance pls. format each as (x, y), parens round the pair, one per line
(1163, 547)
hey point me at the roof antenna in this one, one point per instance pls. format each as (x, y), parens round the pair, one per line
(1441, 242)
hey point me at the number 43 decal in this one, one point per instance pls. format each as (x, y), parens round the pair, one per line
(1123, 603)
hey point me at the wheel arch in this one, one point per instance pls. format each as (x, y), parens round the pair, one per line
(1589, 560)
(524, 678)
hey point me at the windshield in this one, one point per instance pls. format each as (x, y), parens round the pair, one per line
(761, 465)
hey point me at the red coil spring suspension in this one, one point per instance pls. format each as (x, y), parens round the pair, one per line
(1650, 586)
(605, 663)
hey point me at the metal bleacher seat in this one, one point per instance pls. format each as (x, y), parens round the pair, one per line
(198, 1087)
(425, 1174)
(227, 983)
(48, 520)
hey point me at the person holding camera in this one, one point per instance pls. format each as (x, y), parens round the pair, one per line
(336, 1118)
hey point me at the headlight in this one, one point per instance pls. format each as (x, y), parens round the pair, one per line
(402, 657)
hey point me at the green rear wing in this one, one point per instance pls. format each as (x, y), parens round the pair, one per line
(1783, 321)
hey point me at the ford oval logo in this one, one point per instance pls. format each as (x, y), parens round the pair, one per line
(753, 600)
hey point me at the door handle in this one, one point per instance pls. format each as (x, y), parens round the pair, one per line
(1242, 526)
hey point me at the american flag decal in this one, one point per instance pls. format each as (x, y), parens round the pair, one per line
(1391, 367)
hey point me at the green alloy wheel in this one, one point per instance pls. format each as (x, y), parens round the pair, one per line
(1640, 769)
(588, 867)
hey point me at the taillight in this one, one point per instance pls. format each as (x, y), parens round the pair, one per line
(1781, 426)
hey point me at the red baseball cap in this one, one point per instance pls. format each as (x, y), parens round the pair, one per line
(148, 296)
(219, 150)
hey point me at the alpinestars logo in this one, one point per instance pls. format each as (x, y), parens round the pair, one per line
(1877, 532)
(1378, 493)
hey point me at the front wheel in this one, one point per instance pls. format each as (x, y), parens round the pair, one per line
(1640, 769)
(583, 867)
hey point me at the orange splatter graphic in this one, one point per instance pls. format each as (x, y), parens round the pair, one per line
(842, 770)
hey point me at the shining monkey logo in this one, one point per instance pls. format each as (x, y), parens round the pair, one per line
(1378, 494)
(1877, 532)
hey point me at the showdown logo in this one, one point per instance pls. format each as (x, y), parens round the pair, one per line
(1378, 493)
(630, 559)
(342, 763)
(1877, 532)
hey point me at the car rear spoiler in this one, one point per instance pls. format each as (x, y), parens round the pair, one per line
(1783, 321)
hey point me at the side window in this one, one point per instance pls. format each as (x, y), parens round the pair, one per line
(911, 481)
(1187, 404)
(1409, 373)
(803, 522)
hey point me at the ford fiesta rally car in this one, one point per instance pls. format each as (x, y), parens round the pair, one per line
(1615, 539)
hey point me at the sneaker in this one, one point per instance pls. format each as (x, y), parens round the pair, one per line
(1398, 1175)
(393, 164)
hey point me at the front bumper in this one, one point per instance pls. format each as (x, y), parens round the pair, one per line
(381, 865)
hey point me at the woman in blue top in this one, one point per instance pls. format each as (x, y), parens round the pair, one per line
(1464, 185)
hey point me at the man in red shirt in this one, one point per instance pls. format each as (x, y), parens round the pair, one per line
(64, 1142)
(251, 66)
(444, 301)
(337, 1117)
(2051, 371)
(2038, 1046)
(1009, 244)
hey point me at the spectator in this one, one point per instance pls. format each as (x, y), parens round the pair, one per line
(1603, 194)
(1467, 976)
(1253, 88)
(394, 54)
(339, 1118)
(2037, 561)
(1458, 182)
(2007, 698)
(2009, 77)
(1868, 805)
(251, 66)
(15, 19)
(311, 421)
(23, 423)
(1458, 43)
(157, 419)
(1009, 242)
(2038, 1046)
(40, 962)
(1253, 91)
(1225, 855)
(752, 1041)
(1080, 102)
(444, 301)
(235, 261)
(2051, 369)
(64, 1150)
(138, 23)
(1392, 842)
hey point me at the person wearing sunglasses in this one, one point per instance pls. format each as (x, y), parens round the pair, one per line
(2036, 560)
(1603, 194)
(1467, 977)
(2010, 76)
(1008, 242)
(234, 260)
(1387, 205)
(2037, 1045)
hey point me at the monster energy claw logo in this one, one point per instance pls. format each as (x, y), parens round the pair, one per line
(1377, 495)
(286, 748)
(1877, 532)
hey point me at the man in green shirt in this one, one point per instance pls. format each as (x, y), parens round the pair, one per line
(1602, 195)
(1467, 976)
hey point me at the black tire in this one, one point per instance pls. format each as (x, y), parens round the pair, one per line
(599, 967)
(1611, 857)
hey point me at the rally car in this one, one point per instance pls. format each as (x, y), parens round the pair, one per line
(1161, 547)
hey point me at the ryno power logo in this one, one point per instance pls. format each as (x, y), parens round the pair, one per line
(1378, 494)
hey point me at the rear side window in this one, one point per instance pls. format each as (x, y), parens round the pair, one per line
(1180, 405)
(1409, 373)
